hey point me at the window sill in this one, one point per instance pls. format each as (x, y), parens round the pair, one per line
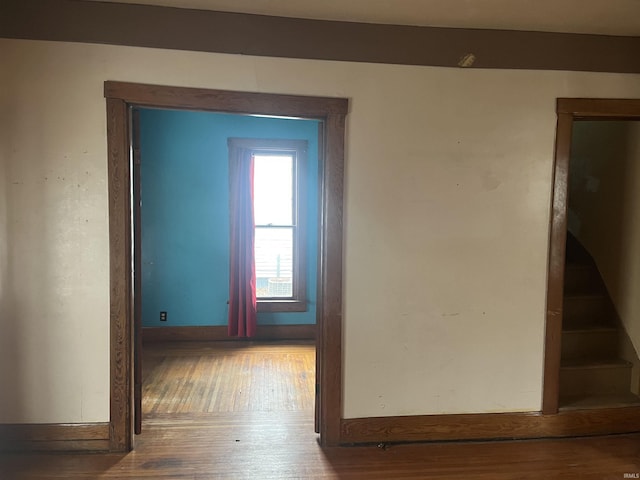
(282, 306)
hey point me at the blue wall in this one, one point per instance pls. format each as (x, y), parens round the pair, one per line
(185, 213)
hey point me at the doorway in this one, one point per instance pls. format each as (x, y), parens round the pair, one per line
(182, 257)
(331, 112)
(569, 111)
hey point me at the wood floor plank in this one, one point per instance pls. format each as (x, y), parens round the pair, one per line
(218, 377)
(266, 443)
(276, 450)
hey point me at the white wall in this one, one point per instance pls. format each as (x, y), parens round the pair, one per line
(448, 182)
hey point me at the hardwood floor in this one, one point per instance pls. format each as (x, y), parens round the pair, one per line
(227, 377)
(205, 436)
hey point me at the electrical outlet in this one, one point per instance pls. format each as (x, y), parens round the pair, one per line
(163, 316)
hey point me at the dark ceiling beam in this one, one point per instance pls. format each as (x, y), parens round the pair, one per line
(237, 33)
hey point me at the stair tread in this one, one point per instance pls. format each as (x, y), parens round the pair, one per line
(581, 265)
(595, 321)
(577, 257)
(594, 363)
(579, 261)
(585, 296)
(576, 402)
(571, 324)
(589, 328)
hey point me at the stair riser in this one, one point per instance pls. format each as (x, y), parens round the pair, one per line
(584, 311)
(595, 381)
(582, 280)
(589, 344)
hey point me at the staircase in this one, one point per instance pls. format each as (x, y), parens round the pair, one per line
(592, 372)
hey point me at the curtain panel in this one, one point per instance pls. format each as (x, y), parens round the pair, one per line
(242, 287)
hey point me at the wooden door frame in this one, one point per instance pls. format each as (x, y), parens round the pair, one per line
(120, 98)
(568, 111)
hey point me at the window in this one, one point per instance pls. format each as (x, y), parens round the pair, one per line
(279, 207)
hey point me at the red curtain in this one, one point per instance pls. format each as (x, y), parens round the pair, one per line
(242, 287)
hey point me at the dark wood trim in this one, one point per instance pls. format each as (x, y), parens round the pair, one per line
(555, 272)
(120, 275)
(491, 426)
(319, 294)
(301, 195)
(120, 96)
(137, 272)
(594, 108)
(330, 301)
(61, 437)
(220, 333)
(568, 110)
(236, 33)
(283, 305)
(228, 101)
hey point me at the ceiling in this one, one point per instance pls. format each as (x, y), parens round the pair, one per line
(608, 17)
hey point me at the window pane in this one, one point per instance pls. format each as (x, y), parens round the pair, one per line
(274, 262)
(273, 189)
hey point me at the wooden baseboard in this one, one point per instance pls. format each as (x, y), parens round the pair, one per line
(491, 426)
(58, 437)
(217, 333)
